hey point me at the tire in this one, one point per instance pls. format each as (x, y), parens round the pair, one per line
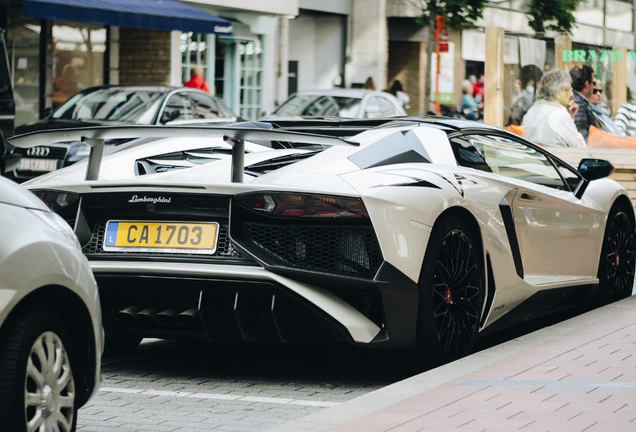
(120, 346)
(616, 267)
(451, 295)
(37, 384)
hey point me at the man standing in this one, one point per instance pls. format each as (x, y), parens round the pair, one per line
(583, 86)
(196, 79)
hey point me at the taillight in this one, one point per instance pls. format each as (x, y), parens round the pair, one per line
(56, 200)
(303, 205)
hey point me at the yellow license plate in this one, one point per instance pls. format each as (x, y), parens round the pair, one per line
(145, 236)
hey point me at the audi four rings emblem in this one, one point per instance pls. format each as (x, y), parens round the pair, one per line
(38, 151)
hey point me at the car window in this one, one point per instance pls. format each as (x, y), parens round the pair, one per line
(510, 158)
(378, 106)
(122, 105)
(319, 106)
(467, 155)
(373, 109)
(293, 105)
(178, 108)
(205, 107)
(349, 106)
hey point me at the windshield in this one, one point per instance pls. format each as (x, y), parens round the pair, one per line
(117, 105)
(318, 105)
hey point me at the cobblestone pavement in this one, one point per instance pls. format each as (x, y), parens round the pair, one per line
(169, 386)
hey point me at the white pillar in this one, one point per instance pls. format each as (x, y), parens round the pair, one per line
(368, 43)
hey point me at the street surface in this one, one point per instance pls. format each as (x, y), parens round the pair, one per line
(171, 386)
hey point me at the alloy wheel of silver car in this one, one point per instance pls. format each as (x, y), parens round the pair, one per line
(37, 386)
(49, 393)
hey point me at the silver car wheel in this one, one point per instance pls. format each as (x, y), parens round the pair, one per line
(49, 391)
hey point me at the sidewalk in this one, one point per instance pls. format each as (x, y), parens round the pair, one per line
(578, 375)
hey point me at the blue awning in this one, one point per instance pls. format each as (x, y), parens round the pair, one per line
(163, 15)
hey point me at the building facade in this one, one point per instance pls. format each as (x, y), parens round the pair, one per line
(279, 47)
(46, 38)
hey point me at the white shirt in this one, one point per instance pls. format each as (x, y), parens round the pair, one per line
(550, 124)
(403, 99)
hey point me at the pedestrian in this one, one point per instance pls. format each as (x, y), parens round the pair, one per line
(369, 84)
(522, 104)
(583, 85)
(468, 106)
(550, 120)
(478, 90)
(398, 91)
(65, 86)
(196, 79)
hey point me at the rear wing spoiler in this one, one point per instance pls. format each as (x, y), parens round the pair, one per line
(96, 136)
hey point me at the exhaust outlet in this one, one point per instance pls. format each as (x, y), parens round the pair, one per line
(147, 316)
(128, 315)
(189, 317)
(167, 316)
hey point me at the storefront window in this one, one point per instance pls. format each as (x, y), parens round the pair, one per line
(194, 52)
(23, 43)
(231, 65)
(251, 85)
(78, 58)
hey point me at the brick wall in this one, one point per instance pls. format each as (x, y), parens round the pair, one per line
(407, 61)
(144, 56)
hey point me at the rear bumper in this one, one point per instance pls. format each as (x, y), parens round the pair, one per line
(229, 303)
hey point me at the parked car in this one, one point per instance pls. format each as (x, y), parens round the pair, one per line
(416, 235)
(347, 103)
(50, 317)
(116, 105)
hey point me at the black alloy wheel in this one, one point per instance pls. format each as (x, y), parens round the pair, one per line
(616, 269)
(452, 292)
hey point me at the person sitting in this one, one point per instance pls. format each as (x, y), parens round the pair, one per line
(604, 122)
(522, 104)
(550, 120)
(583, 85)
(469, 107)
(625, 118)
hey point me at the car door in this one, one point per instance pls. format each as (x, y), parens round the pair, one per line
(555, 231)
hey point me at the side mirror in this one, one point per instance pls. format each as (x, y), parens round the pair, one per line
(594, 169)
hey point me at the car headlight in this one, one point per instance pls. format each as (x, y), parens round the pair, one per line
(56, 222)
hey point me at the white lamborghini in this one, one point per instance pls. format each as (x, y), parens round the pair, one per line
(415, 234)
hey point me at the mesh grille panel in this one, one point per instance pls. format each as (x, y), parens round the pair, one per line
(345, 250)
